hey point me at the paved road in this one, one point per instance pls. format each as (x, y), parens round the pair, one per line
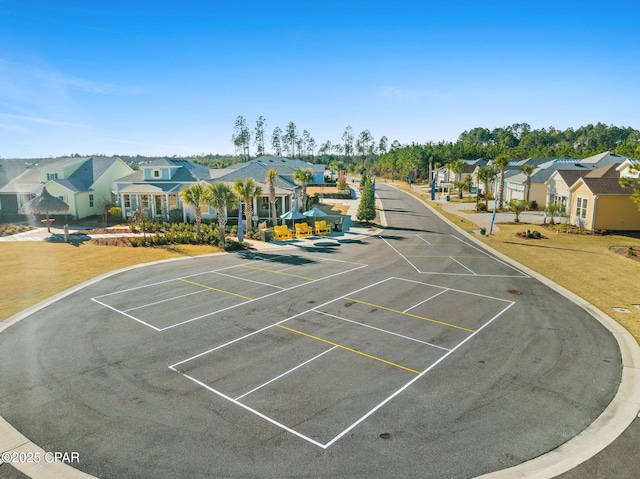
(408, 354)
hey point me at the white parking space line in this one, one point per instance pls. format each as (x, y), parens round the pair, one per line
(444, 290)
(382, 330)
(125, 314)
(220, 272)
(318, 310)
(250, 281)
(468, 269)
(163, 301)
(286, 372)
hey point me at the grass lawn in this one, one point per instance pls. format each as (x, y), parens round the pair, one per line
(35, 270)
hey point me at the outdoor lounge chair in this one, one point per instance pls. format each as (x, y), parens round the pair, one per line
(322, 228)
(282, 232)
(303, 230)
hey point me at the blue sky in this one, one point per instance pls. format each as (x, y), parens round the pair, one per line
(170, 78)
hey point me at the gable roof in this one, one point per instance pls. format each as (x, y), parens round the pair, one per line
(604, 186)
(569, 176)
(544, 171)
(258, 171)
(602, 159)
(88, 171)
(185, 171)
(608, 171)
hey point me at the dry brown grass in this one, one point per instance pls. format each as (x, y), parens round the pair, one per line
(583, 264)
(33, 271)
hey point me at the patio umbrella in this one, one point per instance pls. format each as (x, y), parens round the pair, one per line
(43, 204)
(314, 213)
(292, 215)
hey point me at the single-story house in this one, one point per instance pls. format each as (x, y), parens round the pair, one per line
(515, 185)
(83, 183)
(156, 186)
(560, 182)
(601, 203)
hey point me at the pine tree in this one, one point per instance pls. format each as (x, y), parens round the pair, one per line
(367, 206)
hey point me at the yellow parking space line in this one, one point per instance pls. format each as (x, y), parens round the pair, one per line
(216, 289)
(278, 272)
(348, 349)
(409, 314)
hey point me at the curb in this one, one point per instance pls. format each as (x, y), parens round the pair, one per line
(616, 417)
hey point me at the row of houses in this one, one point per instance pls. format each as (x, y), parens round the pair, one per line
(86, 183)
(588, 189)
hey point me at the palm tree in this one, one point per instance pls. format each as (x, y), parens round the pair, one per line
(304, 177)
(486, 174)
(517, 207)
(222, 199)
(271, 183)
(197, 196)
(527, 170)
(459, 167)
(553, 209)
(501, 161)
(247, 190)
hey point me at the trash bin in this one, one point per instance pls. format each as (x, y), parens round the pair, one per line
(448, 198)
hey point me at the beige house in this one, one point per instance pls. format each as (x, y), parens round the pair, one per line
(600, 203)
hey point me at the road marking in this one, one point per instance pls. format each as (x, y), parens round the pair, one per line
(216, 289)
(409, 314)
(469, 269)
(285, 373)
(382, 330)
(278, 272)
(348, 349)
(444, 256)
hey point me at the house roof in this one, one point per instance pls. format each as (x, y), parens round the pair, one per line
(544, 171)
(90, 169)
(185, 171)
(11, 168)
(608, 171)
(604, 159)
(570, 176)
(604, 186)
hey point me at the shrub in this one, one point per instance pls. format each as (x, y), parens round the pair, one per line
(481, 207)
(533, 205)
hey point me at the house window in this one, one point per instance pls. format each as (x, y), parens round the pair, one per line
(52, 176)
(204, 208)
(157, 174)
(144, 201)
(127, 201)
(581, 208)
(90, 201)
(173, 202)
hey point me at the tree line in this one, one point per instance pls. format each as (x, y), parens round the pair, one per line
(361, 151)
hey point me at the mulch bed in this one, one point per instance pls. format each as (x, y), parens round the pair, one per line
(631, 252)
(118, 241)
(104, 231)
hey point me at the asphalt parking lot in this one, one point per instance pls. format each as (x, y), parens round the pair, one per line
(410, 353)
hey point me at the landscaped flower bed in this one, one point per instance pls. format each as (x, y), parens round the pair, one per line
(9, 229)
